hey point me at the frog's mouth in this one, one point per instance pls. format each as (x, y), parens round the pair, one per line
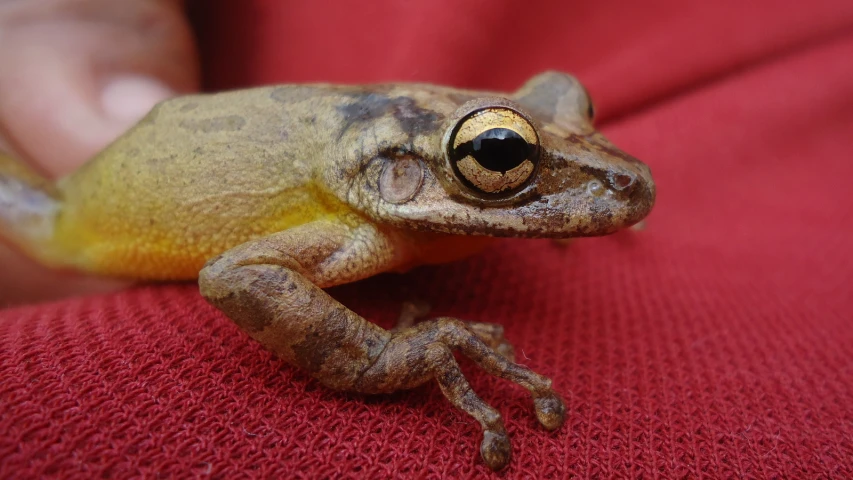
(600, 204)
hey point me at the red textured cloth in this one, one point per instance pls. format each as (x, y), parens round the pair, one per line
(716, 343)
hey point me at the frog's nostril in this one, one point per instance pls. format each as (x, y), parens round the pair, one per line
(622, 181)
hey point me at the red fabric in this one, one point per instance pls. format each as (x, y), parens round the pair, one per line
(716, 343)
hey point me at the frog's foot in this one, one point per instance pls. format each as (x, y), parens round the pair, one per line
(426, 351)
(492, 334)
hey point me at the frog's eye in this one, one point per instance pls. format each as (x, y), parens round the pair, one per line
(494, 150)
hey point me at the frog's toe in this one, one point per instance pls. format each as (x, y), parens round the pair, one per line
(493, 335)
(506, 350)
(496, 449)
(550, 410)
(427, 349)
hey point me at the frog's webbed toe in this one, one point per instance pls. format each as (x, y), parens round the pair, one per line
(493, 335)
(415, 355)
(490, 333)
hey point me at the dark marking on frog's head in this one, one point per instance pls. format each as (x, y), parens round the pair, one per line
(412, 118)
(366, 107)
(415, 120)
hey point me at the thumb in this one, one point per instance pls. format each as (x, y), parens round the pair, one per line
(77, 73)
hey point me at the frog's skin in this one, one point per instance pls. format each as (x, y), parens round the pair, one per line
(269, 194)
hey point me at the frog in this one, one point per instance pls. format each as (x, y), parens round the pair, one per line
(269, 195)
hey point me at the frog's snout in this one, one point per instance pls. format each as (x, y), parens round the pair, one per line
(638, 188)
(626, 190)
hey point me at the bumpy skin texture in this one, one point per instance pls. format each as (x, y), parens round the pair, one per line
(270, 194)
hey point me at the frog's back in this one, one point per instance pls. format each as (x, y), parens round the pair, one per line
(200, 174)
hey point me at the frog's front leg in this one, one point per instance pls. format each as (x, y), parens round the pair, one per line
(269, 287)
(425, 351)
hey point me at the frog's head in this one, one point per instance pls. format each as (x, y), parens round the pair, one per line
(527, 166)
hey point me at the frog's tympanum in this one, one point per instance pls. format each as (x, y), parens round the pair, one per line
(268, 195)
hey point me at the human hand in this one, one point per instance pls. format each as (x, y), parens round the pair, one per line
(75, 74)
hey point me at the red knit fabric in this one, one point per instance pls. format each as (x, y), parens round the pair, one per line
(716, 343)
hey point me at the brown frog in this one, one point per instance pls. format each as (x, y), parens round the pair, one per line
(268, 195)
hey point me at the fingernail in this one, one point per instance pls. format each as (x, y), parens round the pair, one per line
(127, 98)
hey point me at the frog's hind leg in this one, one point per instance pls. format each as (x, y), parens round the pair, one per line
(29, 204)
(425, 351)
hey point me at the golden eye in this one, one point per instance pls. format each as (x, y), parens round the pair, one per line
(494, 150)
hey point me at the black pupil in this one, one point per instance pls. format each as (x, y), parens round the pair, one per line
(497, 149)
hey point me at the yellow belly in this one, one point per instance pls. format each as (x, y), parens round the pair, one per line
(172, 240)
